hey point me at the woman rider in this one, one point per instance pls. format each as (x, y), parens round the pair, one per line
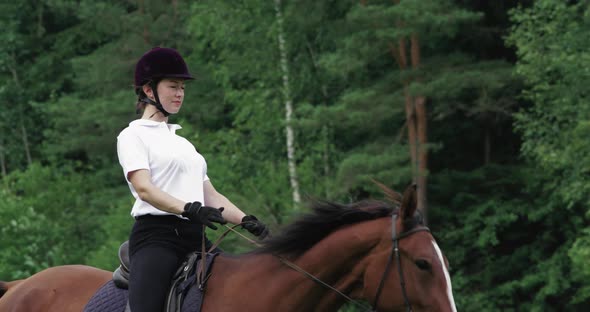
(168, 178)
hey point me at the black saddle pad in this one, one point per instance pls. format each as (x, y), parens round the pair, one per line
(109, 298)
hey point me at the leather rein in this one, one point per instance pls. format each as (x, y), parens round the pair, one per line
(394, 255)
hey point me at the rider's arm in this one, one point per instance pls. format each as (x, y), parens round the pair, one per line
(213, 198)
(142, 183)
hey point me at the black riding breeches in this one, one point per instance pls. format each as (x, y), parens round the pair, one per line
(157, 247)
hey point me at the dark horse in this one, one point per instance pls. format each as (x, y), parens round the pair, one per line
(366, 251)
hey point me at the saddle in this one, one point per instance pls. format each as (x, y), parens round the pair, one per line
(185, 278)
(121, 274)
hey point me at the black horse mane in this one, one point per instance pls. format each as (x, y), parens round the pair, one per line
(2, 288)
(324, 218)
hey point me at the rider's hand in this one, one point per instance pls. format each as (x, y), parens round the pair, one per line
(206, 215)
(254, 226)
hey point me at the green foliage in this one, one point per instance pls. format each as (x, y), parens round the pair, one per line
(513, 243)
(51, 216)
(115, 225)
(552, 44)
(24, 235)
(508, 190)
(579, 254)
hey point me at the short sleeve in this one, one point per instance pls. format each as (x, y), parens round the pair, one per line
(132, 153)
(205, 177)
(204, 167)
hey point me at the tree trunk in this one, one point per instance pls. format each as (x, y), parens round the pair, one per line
(146, 33)
(25, 138)
(171, 29)
(325, 129)
(40, 28)
(326, 160)
(422, 135)
(288, 108)
(411, 124)
(422, 151)
(401, 58)
(2, 159)
(416, 116)
(20, 114)
(487, 146)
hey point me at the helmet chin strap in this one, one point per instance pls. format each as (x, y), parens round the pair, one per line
(156, 103)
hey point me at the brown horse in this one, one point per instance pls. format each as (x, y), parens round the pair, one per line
(364, 251)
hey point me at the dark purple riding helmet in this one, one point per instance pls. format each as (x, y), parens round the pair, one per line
(157, 64)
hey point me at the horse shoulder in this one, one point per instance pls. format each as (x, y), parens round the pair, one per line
(245, 282)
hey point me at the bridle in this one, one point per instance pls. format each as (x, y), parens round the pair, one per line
(395, 253)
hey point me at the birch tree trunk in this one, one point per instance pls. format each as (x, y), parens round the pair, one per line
(288, 107)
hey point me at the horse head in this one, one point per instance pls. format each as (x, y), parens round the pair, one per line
(407, 260)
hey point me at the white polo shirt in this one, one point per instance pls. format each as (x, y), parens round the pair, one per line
(174, 164)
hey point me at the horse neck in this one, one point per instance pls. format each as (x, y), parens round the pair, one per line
(339, 260)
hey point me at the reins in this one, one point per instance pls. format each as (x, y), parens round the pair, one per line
(394, 253)
(291, 265)
(201, 278)
(319, 281)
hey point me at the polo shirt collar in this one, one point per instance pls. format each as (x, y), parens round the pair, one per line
(152, 123)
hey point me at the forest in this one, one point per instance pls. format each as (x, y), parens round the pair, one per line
(484, 105)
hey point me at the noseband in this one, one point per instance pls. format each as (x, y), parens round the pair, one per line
(395, 253)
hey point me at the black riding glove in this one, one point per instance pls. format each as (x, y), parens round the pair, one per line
(254, 226)
(196, 212)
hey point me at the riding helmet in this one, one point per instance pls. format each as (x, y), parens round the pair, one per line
(159, 63)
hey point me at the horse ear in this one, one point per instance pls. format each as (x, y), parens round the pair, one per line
(409, 202)
(390, 194)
